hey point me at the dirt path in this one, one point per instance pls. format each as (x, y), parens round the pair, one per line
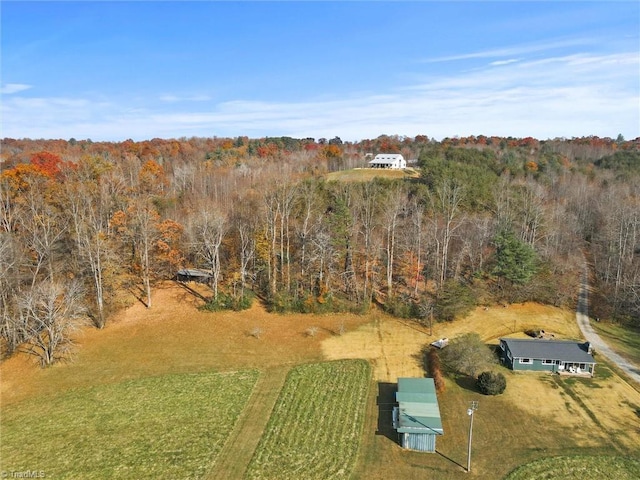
(582, 317)
(236, 454)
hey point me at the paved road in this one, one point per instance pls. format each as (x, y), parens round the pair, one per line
(582, 316)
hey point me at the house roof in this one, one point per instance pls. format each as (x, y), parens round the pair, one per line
(418, 410)
(385, 158)
(192, 272)
(566, 351)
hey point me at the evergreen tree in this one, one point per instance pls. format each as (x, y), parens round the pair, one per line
(515, 261)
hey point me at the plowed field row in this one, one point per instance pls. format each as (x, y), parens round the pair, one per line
(316, 425)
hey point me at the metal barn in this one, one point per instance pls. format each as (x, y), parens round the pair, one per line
(417, 416)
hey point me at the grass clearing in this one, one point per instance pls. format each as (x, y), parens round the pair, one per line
(535, 418)
(368, 174)
(316, 424)
(170, 426)
(579, 467)
(625, 341)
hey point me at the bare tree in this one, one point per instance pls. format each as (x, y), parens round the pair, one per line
(367, 206)
(394, 207)
(44, 227)
(50, 312)
(446, 202)
(208, 231)
(246, 248)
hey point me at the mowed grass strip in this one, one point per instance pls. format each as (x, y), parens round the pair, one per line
(169, 426)
(315, 429)
(579, 467)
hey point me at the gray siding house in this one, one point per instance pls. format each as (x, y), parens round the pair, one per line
(557, 356)
(417, 416)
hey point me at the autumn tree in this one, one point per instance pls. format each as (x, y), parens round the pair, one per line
(152, 241)
(90, 205)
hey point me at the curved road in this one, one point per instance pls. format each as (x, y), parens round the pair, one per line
(582, 316)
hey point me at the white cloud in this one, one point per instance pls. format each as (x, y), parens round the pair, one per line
(187, 98)
(499, 63)
(564, 96)
(517, 50)
(11, 88)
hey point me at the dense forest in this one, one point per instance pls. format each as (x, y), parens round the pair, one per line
(485, 220)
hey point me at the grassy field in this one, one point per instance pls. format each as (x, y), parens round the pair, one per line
(157, 427)
(367, 174)
(316, 425)
(579, 468)
(625, 341)
(164, 348)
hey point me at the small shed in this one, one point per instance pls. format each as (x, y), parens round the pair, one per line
(388, 160)
(417, 416)
(193, 275)
(557, 356)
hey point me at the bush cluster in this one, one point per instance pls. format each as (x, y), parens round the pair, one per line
(434, 369)
(491, 383)
(228, 302)
(401, 307)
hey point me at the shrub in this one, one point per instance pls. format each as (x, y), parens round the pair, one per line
(438, 381)
(467, 354)
(491, 383)
(434, 370)
(454, 300)
(228, 302)
(401, 307)
(535, 333)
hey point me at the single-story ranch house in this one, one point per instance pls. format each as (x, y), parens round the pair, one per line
(388, 160)
(557, 356)
(417, 416)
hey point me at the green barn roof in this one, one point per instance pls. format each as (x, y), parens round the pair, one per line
(418, 410)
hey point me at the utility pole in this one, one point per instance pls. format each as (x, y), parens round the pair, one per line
(470, 412)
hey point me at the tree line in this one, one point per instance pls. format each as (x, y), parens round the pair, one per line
(487, 220)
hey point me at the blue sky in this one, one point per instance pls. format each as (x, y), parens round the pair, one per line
(353, 69)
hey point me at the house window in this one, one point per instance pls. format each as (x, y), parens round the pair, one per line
(526, 360)
(547, 362)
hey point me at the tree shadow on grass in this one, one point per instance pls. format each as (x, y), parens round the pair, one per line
(466, 382)
(386, 401)
(196, 294)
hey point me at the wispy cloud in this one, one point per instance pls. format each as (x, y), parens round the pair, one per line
(516, 50)
(499, 63)
(184, 98)
(11, 88)
(572, 95)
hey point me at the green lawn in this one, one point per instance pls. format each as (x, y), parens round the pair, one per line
(625, 340)
(579, 468)
(169, 426)
(316, 425)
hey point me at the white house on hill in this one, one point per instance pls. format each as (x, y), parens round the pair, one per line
(388, 160)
